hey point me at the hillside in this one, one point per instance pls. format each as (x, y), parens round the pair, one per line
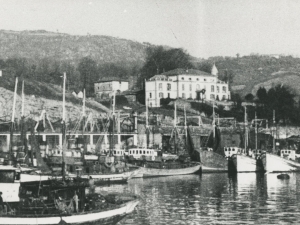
(41, 44)
(43, 96)
(254, 71)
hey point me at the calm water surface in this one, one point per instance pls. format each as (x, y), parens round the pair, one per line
(245, 198)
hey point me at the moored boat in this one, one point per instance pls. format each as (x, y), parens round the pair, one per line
(213, 162)
(154, 163)
(244, 163)
(65, 202)
(170, 169)
(276, 163)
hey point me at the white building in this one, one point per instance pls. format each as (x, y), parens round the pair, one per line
(106, 88)
(186, 84)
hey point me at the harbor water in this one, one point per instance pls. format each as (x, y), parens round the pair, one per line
(245, 198)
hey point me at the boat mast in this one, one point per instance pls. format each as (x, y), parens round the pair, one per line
(23, 131)
(214, 122)
(185, 126)
(83, 122)
(13, 117)
(175, 128)
(147, 125)
(255, 131)
(64, 128)
(246, 133)
(113, 125)
(274, 131)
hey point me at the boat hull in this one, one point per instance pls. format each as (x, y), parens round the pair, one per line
(98, 178)
(30, 178)
(156, 172)
(104, 217)
(275, 163)
(213, 162)
(112, 178)
(243, 164)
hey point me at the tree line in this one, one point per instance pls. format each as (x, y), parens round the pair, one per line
(279, 100)
(83, 75)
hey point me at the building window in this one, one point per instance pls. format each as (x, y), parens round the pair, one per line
(190, 78)
(212, 88)
(224, 89)
(218, 89)
(183, 87)
(168, 95)
(198, 87)
(150, 95)
(182, 78)
(212, 96)
(204, 79)
(191, 87)
(161, 95)
(150, 104)
(223, 97)
(183, 95)
(160, 86)
(169, 87)
(197, 79)
(190, 95)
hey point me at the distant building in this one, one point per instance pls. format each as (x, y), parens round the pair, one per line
(186, 84)
(106, 88)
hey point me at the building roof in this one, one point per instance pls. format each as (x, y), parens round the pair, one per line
(181, 71)
(110, 80)
(159, 76)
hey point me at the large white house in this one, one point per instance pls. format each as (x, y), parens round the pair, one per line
(186, 84)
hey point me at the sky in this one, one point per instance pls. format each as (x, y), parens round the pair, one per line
(204, 28)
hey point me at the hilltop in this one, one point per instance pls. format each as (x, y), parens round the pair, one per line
(36, 45)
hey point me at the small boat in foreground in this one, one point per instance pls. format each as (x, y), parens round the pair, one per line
(62, 201)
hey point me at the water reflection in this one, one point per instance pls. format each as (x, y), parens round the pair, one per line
(245, 198)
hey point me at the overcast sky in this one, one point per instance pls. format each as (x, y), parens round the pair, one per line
(203, 27)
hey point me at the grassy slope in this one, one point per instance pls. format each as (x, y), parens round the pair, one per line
(254, 71)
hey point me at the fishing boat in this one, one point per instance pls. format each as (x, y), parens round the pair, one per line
(103, 167)
(212, 161)
(241, 159)
(283, 160)
(59, 202)
(153, 163)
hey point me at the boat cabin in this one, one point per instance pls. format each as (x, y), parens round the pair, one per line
(288, 154)
(256, 152)
(229, 151)
(68, 153)
(118, 152)
(9, 183)
(139, 152)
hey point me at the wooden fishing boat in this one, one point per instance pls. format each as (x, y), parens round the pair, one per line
(65, 202)
(170, 169)
(101, 179)
(213, 162)
(243, 159)
(153, 163)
